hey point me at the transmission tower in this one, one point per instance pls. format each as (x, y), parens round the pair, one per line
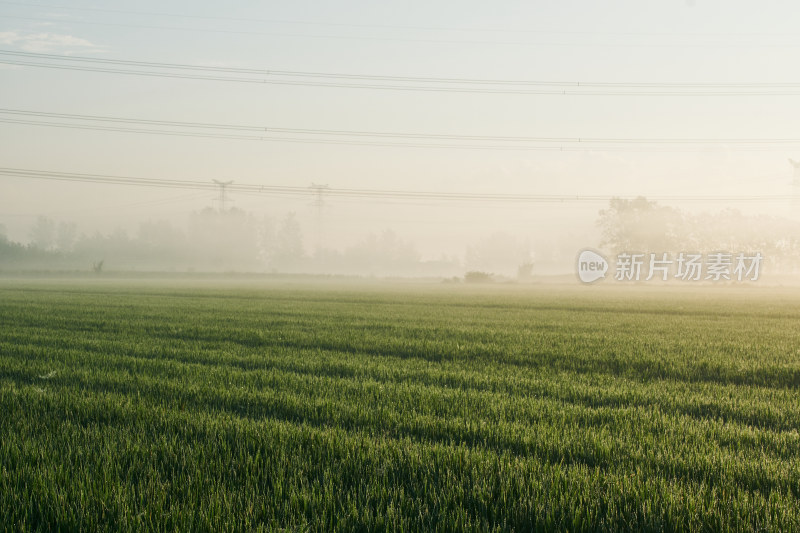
(223, 193)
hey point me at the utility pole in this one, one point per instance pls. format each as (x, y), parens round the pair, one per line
(223, 193)
(319, 203)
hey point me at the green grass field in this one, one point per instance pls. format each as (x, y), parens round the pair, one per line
(148, 405)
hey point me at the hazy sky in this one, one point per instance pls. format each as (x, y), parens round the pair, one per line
(658, 43)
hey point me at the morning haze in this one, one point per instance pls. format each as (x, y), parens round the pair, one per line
(399, 266)
(683, 104)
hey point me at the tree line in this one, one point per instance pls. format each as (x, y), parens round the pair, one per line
(641, 225)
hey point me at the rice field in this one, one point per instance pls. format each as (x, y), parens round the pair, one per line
(163, 405)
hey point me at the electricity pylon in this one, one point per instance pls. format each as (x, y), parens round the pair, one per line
(223, 193)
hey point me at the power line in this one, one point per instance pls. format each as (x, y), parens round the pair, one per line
(766, 145)
(426, 79)
(363, 193)
(402, 83)
(213, 130)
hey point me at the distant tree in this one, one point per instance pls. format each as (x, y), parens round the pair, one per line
(160, 245)
(474, 276)
(499, 252)
(159, 234)
(66, 234)
(266, 236)
(11, 253)
(385, 254)
(43, 233)
(642, 225)
(525, 271)
(224, 239)
(288, 245)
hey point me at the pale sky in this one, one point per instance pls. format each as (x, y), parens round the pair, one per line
(661, 43)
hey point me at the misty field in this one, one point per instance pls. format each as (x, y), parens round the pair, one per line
(164, 405)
